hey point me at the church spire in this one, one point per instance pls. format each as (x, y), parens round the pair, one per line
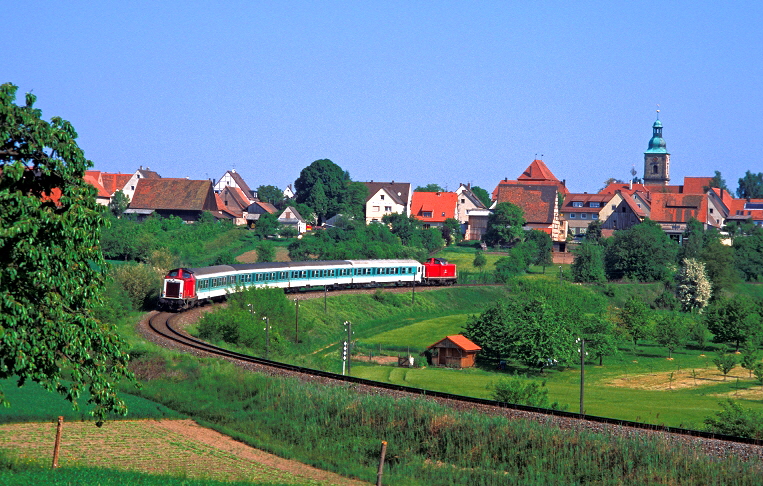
(656, 157)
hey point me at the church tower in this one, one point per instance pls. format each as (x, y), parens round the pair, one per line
(657, 158)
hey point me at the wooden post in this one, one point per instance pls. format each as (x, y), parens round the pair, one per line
(380, 472)
(57, 447)
(582, 374)
(325, 297)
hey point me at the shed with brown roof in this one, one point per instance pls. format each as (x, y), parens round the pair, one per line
(454, 352)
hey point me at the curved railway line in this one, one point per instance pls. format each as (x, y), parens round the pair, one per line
(162, 325)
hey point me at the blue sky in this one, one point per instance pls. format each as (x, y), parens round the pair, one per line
(422, 92)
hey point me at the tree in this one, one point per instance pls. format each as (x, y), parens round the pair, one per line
(643, 253)
(451, 231)
(270, 194)
(479, 260)
(719, 265)
(403, 226)
(267, 225)
(593, 232)
(482, 195)
(750, 356)
(599, 335)
(118, 204)
(51, 266)
(516, 262)
(529, 330)
(612, 180)
(693, 287)
(543, 247)
(429, 188)
(353, 201)
(266, 252)
(504, 226)
(588, 265)
(671, 331)
(693, 239)
(333, 182)
(718, 182)
(750, 186)
(725, 363)
(318, 201)
(734, 319)
(637, 319)
(748, 254)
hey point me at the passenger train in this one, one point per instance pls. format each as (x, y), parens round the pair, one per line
(188, 287)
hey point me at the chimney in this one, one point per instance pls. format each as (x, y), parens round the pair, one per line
(630, 185)
(141, 167)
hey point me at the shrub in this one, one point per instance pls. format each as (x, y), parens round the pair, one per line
(140, 282)
(735, 420)
(524, 392)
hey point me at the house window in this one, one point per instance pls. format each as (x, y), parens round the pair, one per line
(381, 196)
(463, 201)
(623, 209)
(388, 208)
(426, 226)
(583, 216)
(711, 210)
(594, 216)
(594, 204)
(614, 206)
(426, 214)
(577, 204)
(132, 188)
(376, 209)
(443, 215)
(573, 215)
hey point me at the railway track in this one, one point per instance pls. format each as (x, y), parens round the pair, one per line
(162, 325)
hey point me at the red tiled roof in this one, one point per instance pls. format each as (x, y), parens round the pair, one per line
(624, 188)
(586, 199)
(537, 171)
(93, 181)
(236, 198)
(114, 182)
(266, 207)
(696, 185)
(738, 209)
(538, 202)
(442, 205)
(460, 341)
(678, 208)
(628, 198)
(177, 194)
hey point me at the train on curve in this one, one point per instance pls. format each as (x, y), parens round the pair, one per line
(184, 288)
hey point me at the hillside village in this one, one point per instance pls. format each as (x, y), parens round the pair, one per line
(547, 202)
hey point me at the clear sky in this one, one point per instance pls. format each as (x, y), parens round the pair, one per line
(411, 91)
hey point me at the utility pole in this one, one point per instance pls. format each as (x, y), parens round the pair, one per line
(582, 372)
(296, 322)
(267, 336)
(560, 274)
(348, 346)
(325, 297)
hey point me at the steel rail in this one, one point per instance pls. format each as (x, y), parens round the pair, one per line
(174, 335)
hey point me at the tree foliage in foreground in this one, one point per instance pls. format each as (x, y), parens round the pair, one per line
(51, 270)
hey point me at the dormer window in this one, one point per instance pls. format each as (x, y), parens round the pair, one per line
(594, 204)
(426, 214)
(577, 204)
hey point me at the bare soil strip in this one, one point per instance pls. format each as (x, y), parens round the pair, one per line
(175, 447)
(689, 378)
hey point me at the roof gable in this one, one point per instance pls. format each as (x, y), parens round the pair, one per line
(537, 171)
(399, 190)
(460, 341)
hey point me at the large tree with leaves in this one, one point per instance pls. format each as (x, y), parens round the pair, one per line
(750, 186)
(326, 177)
(51, 275)
(504, 226)
(643, 252)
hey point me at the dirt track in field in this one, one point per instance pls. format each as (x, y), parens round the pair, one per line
(175, 447)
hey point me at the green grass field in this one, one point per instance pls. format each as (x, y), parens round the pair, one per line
(33, 403)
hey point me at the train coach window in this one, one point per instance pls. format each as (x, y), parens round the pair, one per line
(232, 279)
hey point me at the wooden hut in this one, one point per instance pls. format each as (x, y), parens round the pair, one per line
(454, 351)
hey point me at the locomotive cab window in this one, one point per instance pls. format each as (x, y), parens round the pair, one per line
(173, 273)
(186, 274)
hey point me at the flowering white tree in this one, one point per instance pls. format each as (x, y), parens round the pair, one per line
(694, 287)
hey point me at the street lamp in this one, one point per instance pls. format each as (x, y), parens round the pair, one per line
(267, 336)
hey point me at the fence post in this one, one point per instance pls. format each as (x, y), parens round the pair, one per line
(380, 472)
(57, 447)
